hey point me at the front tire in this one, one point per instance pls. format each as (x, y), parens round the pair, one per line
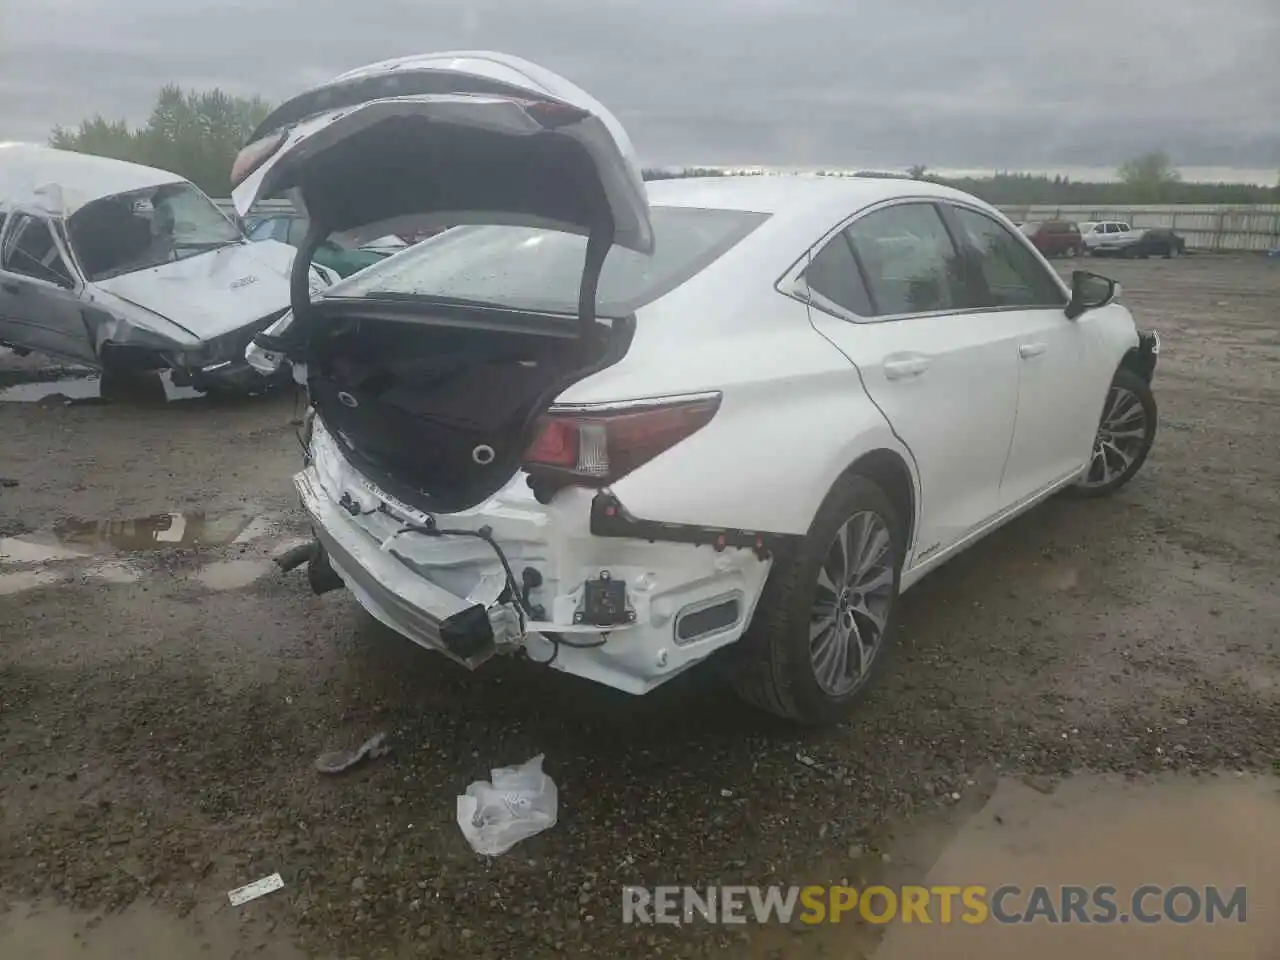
(827, 611)
(1126, 431)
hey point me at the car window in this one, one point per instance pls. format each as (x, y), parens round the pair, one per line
(295, 231)
(133, 231)
(908, 258)
(29, 250)
(262, 230)
(536, 269)
(1012, 275)
(833, 274)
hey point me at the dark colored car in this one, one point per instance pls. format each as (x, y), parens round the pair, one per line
(1054, 238)
(1155, 241)
(290, 229)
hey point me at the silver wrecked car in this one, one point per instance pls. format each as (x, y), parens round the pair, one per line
(125, 267)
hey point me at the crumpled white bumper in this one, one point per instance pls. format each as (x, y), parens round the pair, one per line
(419, 586)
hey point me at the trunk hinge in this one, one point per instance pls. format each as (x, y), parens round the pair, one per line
(599, 242)
(293, 342)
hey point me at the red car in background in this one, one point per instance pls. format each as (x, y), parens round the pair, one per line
(1055, 238)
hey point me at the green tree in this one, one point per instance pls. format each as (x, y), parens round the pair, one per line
(1150, 177)
(195, 134)
(917, 171)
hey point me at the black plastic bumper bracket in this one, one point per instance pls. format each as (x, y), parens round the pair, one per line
(609, 518)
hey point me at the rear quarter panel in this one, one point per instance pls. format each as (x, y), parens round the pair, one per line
(793, 416)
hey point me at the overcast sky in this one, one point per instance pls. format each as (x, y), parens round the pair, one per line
(848, 83)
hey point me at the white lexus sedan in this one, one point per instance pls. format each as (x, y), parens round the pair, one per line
(619, 428)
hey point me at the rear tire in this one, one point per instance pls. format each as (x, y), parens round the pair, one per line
(790, 662)
(1126, 431)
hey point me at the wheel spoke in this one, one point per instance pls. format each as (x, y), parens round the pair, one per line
(820, 626)
(824, 660)
(877, 545)
(863, 655)
(1137, 433)
(876, 619)
(1125, 459)
(840, 665)
(873, 584)
(849, 540)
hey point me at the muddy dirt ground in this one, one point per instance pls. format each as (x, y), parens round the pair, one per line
(163, 692)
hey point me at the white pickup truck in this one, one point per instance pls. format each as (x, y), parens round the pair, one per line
(1107, 235)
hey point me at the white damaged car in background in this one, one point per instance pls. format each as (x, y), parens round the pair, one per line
(621, 429)
(124, 267)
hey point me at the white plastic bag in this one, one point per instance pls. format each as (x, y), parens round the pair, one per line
(516, 804)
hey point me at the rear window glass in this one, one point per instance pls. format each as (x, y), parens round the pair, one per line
(530, 268)
(1030, 228)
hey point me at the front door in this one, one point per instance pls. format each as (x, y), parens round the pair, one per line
(40, 305)
(891, 293)
(1057, 399)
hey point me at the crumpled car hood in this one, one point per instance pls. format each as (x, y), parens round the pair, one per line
(212, 293)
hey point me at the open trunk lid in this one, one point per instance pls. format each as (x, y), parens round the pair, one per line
(436, 401)
(449, 138)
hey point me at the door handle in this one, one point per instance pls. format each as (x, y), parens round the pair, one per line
(900, 365)
(10, 287)
(1026, 350)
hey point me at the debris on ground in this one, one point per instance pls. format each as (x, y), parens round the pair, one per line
(252, 891)
(516, 804)
(8, 483)
(339, 761)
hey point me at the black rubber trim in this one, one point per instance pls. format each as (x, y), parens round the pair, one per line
(468, 633)
(1148, 354)
(609, 518)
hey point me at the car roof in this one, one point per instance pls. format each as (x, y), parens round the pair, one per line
(57, 183)
(792, 194)
(805, 203)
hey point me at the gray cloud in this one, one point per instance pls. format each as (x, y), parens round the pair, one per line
(988, 83)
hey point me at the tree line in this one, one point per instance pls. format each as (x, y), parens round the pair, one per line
(196, 134)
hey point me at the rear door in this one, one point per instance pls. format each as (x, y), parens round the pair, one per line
(40, 304)
(890, 291)
(1056, 371)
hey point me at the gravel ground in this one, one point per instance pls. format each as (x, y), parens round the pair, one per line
(160, 708)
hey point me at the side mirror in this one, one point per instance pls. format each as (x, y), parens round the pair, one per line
(1089, 291)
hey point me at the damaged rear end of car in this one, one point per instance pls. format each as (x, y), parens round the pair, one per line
(449, 491)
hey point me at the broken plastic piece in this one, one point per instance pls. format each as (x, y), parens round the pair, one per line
(339, 761)
(518, 803)
(252, 891)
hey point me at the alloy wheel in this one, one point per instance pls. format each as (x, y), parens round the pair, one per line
(851, 604)
(1121, 436)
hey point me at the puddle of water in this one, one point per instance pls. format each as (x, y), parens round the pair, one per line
(233, 574)
(141, 932)
(89, 388)
(79, 538)
(11, 583)
(1094, 830)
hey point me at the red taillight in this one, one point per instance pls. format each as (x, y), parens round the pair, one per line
(596, 448)
(255, 155)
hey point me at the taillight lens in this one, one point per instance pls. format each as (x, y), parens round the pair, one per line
(596, 449)
(255, 155)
